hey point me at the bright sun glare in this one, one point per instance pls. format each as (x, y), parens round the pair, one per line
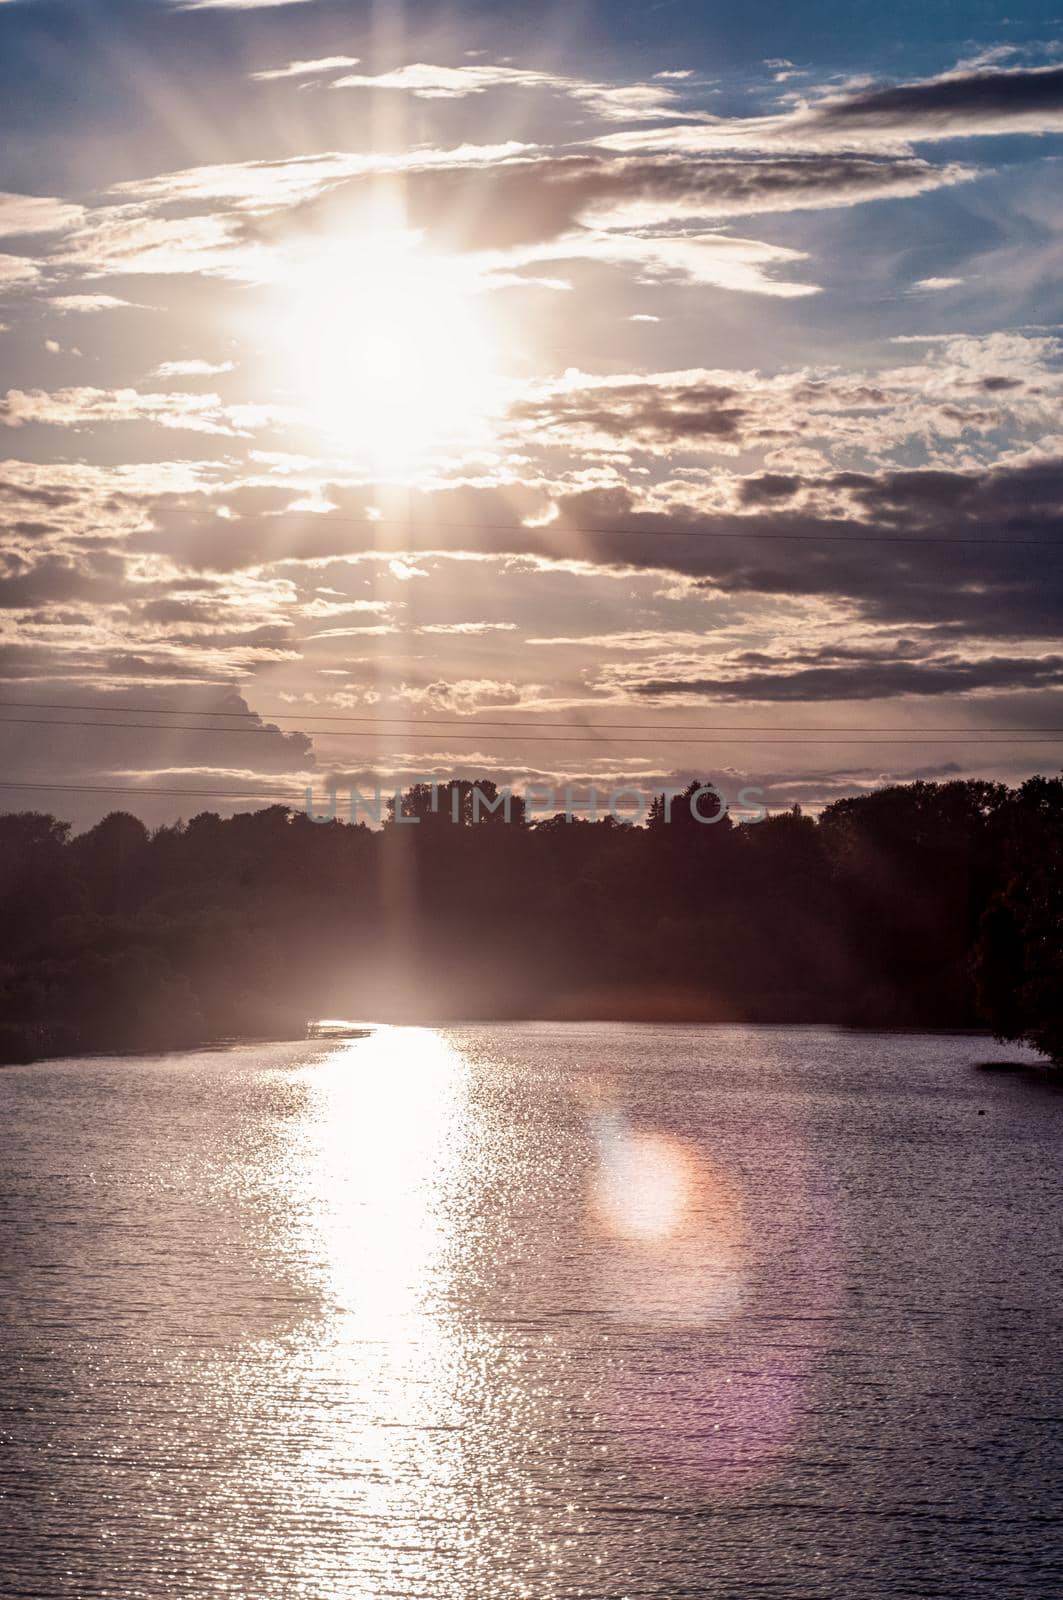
(390, 348)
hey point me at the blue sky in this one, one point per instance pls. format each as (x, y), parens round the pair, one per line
(588, 365)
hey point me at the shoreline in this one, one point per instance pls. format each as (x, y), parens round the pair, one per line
(72, 1050)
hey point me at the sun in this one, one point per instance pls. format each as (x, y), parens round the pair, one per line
(390, 349)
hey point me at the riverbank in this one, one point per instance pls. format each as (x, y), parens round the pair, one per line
(21, 1045)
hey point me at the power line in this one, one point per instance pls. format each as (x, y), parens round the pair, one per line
(142, 793)
(320, 519)
(487, 722)
(500, 738)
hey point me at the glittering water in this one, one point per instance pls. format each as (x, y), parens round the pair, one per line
(493, 1312)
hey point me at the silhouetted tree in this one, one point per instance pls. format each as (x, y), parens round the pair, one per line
(922, 904)
(1019, 957)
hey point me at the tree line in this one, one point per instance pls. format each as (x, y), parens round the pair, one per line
(923, 905)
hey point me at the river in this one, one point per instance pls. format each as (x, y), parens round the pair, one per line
(534, 1310)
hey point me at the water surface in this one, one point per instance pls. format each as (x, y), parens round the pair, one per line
(547, 1311)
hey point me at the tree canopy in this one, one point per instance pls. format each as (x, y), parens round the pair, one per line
(919, 905)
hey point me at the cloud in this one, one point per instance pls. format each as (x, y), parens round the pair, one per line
(645, 412)
(53, 579)
(962, 104)
(464, 696)
(539, 197)
(121, 239)
(719, 259)
(90, 303)
(244, 747)
(16, 270)
(192, 369)
(233, 5)
(265, 186)
(855, 675)
(878, 544)
(869, 539)
(471, 628)
(28, 214)
(964, 388)
(81, 407)
(624, 103)
(956, 105)
(307, 69)
(509, 205)
(647, 192)
(932, 285)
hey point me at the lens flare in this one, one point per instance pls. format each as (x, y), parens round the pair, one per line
(673, 1225)
(644, 1186)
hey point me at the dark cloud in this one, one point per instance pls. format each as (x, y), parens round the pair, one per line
(676, 411)
(522, 202)
(838, 545)
(56, 578)
(1023, 501)
(244, 526)
(647, 412)
(873, 679)
(972, 101)
(53, 498)
(976, 100)
(769, 488)
(79, 746)
(840, 536)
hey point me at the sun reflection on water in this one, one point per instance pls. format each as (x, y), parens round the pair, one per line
(384, 1116)
(377, 1148)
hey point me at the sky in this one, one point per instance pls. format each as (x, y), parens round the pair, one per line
(603, 394)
